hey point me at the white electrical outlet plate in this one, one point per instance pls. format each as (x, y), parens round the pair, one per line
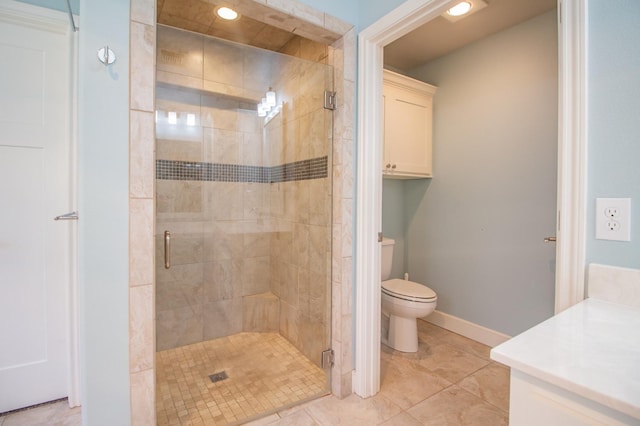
(613, 219)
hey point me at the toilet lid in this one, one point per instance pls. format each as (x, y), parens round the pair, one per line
(408, 289)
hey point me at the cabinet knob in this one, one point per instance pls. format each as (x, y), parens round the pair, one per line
(388, 165)
(393, 167)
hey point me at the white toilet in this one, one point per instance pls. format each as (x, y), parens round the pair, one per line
(404, 302)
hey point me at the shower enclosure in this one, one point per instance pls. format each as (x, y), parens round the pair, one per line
(243, 228)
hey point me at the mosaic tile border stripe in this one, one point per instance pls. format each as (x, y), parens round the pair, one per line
(315, 168)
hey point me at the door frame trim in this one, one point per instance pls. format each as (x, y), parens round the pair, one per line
(572, 154)
(54, 21)
(74, 308)
(572, 123)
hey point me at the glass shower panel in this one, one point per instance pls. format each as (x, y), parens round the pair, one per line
(246, 198)
(298, 144)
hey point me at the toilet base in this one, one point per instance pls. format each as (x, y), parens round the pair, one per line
(403, 334)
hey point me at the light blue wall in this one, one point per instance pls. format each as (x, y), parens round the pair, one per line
(613, 117)
(369, 11)
(56, 4)
(345, 10)
(474, 233)
(360, 13)
(103, 147)
(393, 225)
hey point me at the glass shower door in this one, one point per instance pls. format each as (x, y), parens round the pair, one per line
(247, 201)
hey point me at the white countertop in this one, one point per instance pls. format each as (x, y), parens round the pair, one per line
(591, 349)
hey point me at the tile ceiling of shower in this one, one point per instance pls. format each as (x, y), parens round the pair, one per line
(258, 25)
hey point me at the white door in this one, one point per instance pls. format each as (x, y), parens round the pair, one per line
(35, 186)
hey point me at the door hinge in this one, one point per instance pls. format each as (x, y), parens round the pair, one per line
(327, 358)
(329, 100)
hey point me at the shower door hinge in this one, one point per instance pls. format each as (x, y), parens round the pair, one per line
(329, 100)
(327, 359)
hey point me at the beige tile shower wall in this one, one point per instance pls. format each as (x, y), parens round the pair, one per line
(199, 62)
(228, 268)
(141, 212)
(142, 309)
(218, 283)
(342, 56)
(301, 210)
(301, 250)
(306, 49)
(300, 265)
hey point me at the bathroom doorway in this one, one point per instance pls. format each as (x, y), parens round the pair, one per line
(243, 227)
(571, 180)
(492, 200)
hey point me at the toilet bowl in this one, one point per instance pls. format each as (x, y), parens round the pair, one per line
(403, 302)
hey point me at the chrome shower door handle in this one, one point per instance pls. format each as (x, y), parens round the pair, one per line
(167, 249)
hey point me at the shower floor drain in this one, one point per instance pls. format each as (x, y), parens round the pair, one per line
(218, 377)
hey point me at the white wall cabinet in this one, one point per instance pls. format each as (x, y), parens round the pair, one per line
(407, 110)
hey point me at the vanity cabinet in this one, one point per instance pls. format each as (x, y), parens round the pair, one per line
(535, 402)
(407, 111)
(579, 367)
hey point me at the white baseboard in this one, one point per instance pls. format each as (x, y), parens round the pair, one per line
(465, 328)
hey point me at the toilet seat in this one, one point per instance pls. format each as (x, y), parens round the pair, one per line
(408, 290)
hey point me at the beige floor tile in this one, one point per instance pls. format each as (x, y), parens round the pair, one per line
(407, 384)
(465, 344)
(419, 383)
(405, 360)
(288, 411)
(270, 419)
(449, 362)
(57, 413)
(297, 418)
(491, 383)
(402, 419)
(455, 406)
(353, 410)
(389, 357)
(265, 372)
(428, 332)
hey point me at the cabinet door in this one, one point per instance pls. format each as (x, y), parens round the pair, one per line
(407, 131)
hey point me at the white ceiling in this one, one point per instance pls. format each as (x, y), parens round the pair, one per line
(440, 36)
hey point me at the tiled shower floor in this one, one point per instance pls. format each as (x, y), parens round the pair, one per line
(266, 373)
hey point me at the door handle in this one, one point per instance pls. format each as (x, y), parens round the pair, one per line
(67, 216)
(167, 249)
(550, 239)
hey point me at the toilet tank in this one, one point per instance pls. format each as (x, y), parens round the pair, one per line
(386, 258)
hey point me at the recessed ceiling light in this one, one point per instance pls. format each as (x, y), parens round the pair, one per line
(460, 9)
(227, 13)
(463, 9)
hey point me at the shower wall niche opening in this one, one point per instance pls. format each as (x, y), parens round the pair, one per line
(246, 200)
